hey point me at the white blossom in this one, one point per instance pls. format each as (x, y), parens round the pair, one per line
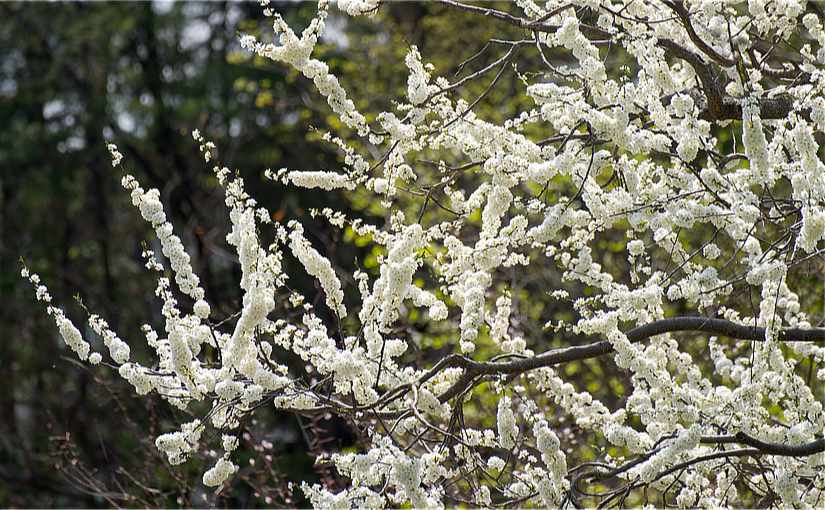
(323, 180)
(506, 422)
(319, 267)
(219, 473)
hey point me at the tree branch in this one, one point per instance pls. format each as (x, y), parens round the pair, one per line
(713, 326)
(801, 450)
(679, 8)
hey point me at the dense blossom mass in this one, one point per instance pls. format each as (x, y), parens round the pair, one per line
(686, 133)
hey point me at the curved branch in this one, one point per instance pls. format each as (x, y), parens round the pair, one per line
(802, 450)
(713, 326)
(679, 8)
(722, 327)
(744, 452)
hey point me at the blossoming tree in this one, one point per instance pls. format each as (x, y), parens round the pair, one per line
(686, 133)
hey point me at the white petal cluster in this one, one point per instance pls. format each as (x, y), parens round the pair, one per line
(753, 138)
(68, 331)
(324, 180)
(496, 463)
(138, 376)
(71, 335)
(586, 53)
(179, 445)
(219, 473)
(506, 422)
(319, 267)
(117, 157)
(669, 455)
(404, 478)
(418, 79)
(296, 51)
(118, 349)
(151, 208)
(552, 487)
(395, 284)
(201, 309)
(358, 7)
(469, 295)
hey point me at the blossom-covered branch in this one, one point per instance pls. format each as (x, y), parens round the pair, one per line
(603, 299)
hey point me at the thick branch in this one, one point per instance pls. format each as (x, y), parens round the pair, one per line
(721, 327)
(778, 107)
(801, 450)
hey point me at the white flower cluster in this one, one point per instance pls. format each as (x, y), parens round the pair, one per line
(71, 335)
(296, 52)
(319, 267)
(151, 208)
(506, 422)
(469, 294)
(117, 157)
(327, 181)
(68, 331)
(418, 79)
(179, 445)
(358, 7)
(385, 465)
(553, 487)
(395, 282)
(118, 349)
(669, 455)
(753, 138)
(585, 52)
(219, 473)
